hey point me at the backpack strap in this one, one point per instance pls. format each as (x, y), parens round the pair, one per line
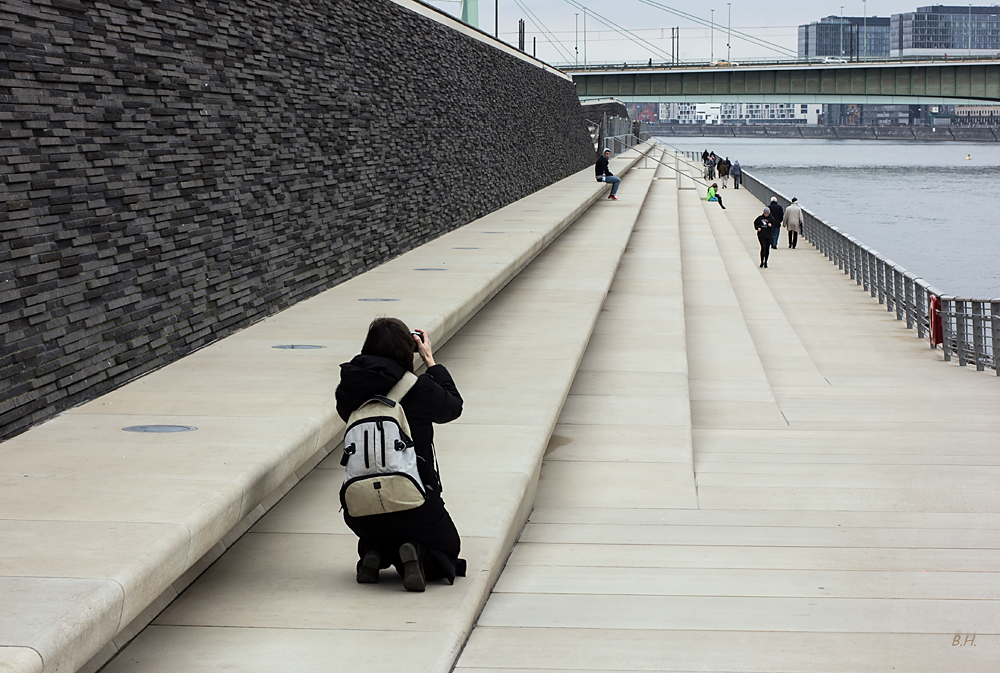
(398, 391)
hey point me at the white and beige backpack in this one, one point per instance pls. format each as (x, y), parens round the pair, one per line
(381, 463)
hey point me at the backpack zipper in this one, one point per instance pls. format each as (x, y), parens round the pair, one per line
(366, 450)
(381, 430)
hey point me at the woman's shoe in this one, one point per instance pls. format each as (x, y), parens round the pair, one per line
(368, 568)
(413, 567)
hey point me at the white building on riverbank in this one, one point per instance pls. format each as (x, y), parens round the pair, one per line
(740, 113)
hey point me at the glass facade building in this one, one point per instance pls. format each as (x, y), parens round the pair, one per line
(850, 37)
(939, 29)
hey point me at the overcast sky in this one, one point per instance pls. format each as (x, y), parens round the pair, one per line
(775, 21)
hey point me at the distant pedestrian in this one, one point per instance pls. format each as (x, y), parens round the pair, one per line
(604, 174)
(764, 227)
(793, 222)
(713, 194)
(712, 161)
(777, 214)
(724, 171)
(737, 174)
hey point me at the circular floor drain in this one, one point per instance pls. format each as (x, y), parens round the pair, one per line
(377, 299)
(159, 428)
(297, 347)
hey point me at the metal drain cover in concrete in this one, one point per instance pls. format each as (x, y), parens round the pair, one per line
(377, 299)
(159, 428)
(297, 347)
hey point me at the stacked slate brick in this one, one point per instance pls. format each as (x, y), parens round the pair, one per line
(174, 171)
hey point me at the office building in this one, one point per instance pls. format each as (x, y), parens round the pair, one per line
(849, 37)
(977, 115)
(937, 30)
(739, 113)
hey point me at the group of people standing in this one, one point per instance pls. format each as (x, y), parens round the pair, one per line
(724, 167)
(769, 223)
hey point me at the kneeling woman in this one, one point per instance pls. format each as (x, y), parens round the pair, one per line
(422, 543)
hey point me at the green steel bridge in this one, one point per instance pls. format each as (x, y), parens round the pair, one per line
(883, 82)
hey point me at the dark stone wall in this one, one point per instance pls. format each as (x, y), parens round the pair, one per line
(174, 171)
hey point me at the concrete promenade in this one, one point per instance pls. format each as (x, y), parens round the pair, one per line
(744, 470)
(843, 511)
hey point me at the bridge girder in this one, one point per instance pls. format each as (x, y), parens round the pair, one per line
(910, 84)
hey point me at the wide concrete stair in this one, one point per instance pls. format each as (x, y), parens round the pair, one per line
(846, 504)
(102, 529)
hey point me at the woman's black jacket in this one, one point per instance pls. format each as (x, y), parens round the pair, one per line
(764, 226)
(432, 399)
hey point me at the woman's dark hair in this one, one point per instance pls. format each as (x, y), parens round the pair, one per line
(390, 338)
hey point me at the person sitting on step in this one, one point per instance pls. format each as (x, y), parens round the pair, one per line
(713, 194)
(605, 175)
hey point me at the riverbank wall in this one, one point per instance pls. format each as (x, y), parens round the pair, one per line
(918, 133)
(174, 172)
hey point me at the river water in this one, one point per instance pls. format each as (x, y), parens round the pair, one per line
(924, 205)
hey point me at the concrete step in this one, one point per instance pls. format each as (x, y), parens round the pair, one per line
(728, 381)
(623, 441)
(285, 598)
(100, 529)
(785, 360)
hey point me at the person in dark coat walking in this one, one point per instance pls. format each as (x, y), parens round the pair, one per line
(737, 174)
(777, 215)
(604, 174)
(764, 226)
(422, 543)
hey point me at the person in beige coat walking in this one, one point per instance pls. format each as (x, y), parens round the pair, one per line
(793, 222)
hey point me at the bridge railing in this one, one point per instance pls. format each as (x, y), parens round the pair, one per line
(969, 327)
(576, 68)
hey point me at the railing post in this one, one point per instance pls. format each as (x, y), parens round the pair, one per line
(978, 335)
(961, 331)
(883, 295)
(920, 300)
(910, 303)
(995, 333)
(899, 291)
(890, 286)
(863, 265)
(946, 311)
(872, 273)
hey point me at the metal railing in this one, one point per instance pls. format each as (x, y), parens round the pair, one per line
(619, 133)
(617, 66)
(969, 329)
